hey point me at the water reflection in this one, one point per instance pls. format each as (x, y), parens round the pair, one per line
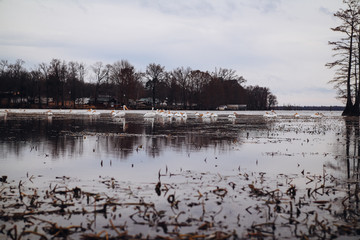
(65, 143)
(352, 147)
(186, 164)
(59, 136)
(351, 211)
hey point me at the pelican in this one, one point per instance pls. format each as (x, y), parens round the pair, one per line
(113, 113)
(119, 113)
(184, 115)
(94, 112)
(180, 115)
(271, 114)
(317, 115)
(88, 112)
(206, 115)
(122, 113)
(213, 115)
(170, 115)
(150, 114)
(199, 115)
(232, 116)
(91, 112)
(3, 113)
(296, 115)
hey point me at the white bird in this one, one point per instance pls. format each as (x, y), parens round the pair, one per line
(91, 112)
(88, 112)
(49, 113)
(317, 115)
(181, 115)
(206, 115)
(95, 113)
(170, 115)
(113, 113)
(2, 114)
(296, 115)
(213, 115)
(150, 114)
(199, 115)
(119, 113)
(271, 114)
(232, 116)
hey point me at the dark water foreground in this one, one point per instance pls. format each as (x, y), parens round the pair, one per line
(100, 177)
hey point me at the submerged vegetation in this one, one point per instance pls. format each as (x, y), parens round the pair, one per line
(182, 205)
(200, 192)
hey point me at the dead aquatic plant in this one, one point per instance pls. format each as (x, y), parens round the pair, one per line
(3, 179)
(93, 236)
(174, 203)
(256, 191)
(57, 231)
(275, 208)
(221, 192)
(157, 188)
(291, 191)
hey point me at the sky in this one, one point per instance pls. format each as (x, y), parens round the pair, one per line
(279, 44)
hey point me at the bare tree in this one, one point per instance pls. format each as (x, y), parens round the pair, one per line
(227, 75)
(272, 101)
(36, 78)
(197, 82)
(101, 73)
(57, 78)
(154, 74)
(123, 75)
(258, 98)
(181, 75)
(44, 69)
(72, 79)
(3, 66)
(344, 49)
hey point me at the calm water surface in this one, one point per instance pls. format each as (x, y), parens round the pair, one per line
(134, 148)
(194, 159)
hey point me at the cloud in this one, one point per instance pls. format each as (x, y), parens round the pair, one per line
(271, 43)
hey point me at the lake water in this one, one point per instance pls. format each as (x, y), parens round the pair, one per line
(124, 158)
(134, 148)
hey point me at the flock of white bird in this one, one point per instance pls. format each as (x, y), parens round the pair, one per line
(165, 114)
(273, 114)
(178, 115)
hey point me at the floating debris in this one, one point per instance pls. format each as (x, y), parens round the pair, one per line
(271, 208)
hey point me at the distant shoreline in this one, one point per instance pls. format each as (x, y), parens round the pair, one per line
(311, 108)
(286, 108)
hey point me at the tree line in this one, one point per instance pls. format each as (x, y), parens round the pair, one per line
(62, 84)
(347, 57)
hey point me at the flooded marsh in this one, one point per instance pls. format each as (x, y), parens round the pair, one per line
(71, 175)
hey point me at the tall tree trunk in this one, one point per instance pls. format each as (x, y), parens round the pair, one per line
(357, 91)
(47, 94)
(184, 99)
(355, 110)
(39, 89)
(96, 92)
(348, 111)
(154, 91)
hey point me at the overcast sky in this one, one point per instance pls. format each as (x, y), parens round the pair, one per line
(280, 44)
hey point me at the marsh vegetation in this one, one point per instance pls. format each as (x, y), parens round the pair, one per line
(100, 177)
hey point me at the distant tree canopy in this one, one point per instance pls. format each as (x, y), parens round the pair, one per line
(347, 57)
(66, 85)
